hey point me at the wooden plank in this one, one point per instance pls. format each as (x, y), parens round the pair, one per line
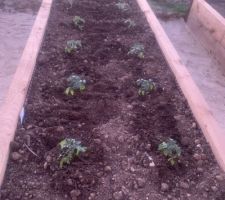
(17, 92)
(213, 133)
(209, 27)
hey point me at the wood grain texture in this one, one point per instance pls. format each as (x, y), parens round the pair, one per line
(209, 27)
(213, 133)
(18, 89)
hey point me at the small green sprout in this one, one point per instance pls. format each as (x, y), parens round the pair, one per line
(138, 50)
(145, 86)
(78, 22)
(70, 148)
(171, 150)
(123, 6)
(72, 45)
(130, 23)
(75, 83)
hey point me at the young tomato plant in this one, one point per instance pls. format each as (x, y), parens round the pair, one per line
(137, 50)
(78, 22)
(70, 148)
(171, 150)
(75, 83)
(145, 86)
(129, 23)
(123, 6)
(72, 45)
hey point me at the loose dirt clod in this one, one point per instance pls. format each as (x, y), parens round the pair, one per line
(16, 156)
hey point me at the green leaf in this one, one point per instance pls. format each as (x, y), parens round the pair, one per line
(63, 144)
(82, 87)
(72, 92)
(67, 91)
(172, 161)
(141, 55)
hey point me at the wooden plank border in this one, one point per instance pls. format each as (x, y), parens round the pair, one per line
(209, 27)
(200, 109)
(16, 95)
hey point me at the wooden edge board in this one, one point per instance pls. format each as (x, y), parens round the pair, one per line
(16, 95)
(200, 109)
(209, 28)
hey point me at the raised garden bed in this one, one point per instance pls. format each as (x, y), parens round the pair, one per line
(120, 128)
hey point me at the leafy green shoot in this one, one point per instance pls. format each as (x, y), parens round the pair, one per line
(75, 83)
(123, 6)
(145, 86)
(78, 22)
(138, 50)
(171, 150)
(72, 45)
(70, 148)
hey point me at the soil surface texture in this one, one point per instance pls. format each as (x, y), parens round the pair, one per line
(120, 129)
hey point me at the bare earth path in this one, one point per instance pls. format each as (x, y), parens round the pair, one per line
(16, 20)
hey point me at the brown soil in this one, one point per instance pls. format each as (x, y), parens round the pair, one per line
(121, 130)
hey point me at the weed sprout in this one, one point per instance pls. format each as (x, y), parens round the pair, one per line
(129, 23)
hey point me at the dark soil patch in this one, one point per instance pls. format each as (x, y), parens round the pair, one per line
(121, 130)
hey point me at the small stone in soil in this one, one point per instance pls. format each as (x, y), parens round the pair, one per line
(219, 178)
(29, 127)
(48, 159)
(197, 141)
(148, 147)
(45, 165)
(141, 182)
(199, 169)
(214, 188)
(121, 139)
(74, 194)
(91, 196)
(108, 169)
(164, 187)
(129, 106)
(184, 185)
(97, 141)
(200, 162)
(16, 156)
(70, 181)
(197, 156)
(99, 174)
(60, 129)
(118, 195)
